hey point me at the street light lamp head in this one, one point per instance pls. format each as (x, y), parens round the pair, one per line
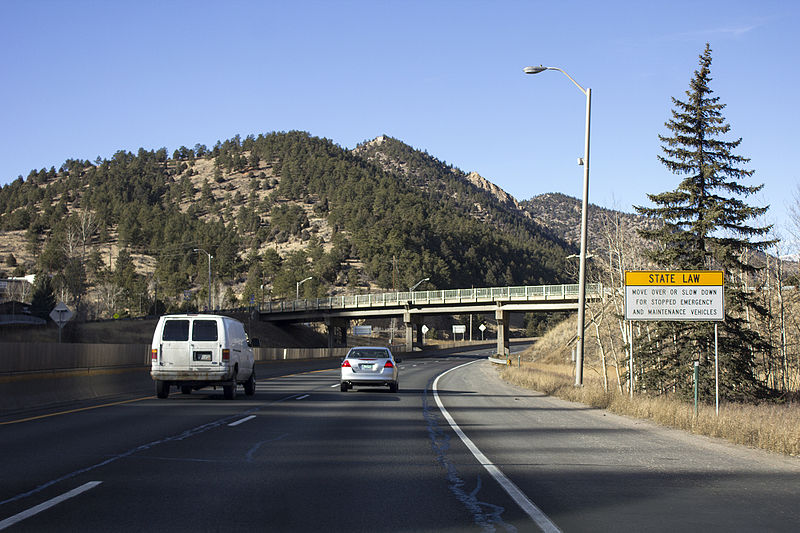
(420, 282)
(535, 70)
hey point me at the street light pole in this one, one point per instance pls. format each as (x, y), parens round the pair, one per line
(417, 284)
(209, 275)
(297, 295)
(584, 223)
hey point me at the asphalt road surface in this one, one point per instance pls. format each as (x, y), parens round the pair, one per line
(302, 456)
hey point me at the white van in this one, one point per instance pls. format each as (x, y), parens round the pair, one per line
(195, 351)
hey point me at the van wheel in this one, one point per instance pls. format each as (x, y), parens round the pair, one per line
(186, 389)
(250, 384)
(162, 388)
(229, 391)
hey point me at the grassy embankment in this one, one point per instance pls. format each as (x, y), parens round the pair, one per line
(545, 369)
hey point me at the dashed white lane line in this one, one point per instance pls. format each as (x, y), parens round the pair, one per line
(303, 397)
(536, 514)
(241, 421)
(19, 517)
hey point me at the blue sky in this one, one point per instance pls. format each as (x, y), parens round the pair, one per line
(81, 79)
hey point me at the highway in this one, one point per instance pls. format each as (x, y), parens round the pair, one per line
(302, 456)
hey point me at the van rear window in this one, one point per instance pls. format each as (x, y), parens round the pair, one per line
(176, 330)
(204, 330)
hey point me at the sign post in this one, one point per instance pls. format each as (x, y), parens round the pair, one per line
(60, 314)
(679, 295)
(459, 328)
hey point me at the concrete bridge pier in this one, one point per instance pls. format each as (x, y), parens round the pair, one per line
(413, 324)
(502, 318)
(337, 331)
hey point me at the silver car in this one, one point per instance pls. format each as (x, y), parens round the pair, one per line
(369, 365)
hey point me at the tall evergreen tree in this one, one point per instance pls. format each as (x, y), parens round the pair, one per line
(43, 299)
(706, 225)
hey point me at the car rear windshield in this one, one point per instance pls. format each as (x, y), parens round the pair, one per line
(368, 354)
(204, 330)
(176, 330)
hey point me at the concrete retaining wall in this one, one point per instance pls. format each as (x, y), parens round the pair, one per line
(25, 358)
(278, 354)
(48, 358)
(21, 357)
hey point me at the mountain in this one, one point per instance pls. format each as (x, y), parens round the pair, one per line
(562, 215)
(139, 232)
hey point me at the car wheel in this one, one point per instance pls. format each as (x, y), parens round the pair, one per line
(186, 389)
(229, 391)
(393, 386)
(250, 384)
(343, 386)
(162, 388)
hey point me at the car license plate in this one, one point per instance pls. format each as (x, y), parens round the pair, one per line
(367, 366)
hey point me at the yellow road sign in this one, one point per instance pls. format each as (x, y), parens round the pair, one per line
(675, 295)
(675, 277)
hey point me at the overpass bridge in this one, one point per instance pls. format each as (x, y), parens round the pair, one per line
(337, 311)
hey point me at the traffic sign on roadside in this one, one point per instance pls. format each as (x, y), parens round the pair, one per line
(692, 295)
(363, 331)
(61, 314)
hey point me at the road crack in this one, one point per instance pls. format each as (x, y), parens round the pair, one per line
(485, 515)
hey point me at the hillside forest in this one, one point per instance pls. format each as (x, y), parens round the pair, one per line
(132, 234)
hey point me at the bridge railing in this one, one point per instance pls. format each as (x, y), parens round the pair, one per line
(448, 296)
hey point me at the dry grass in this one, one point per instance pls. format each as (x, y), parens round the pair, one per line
(771, 427)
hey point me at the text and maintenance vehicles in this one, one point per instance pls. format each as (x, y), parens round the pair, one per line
(196, 351)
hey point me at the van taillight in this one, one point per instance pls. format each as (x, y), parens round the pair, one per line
(154, 354)
(226, 354)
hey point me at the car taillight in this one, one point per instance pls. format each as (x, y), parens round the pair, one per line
(346, 364)
(226, 354)
(388, 364)
(154, 354)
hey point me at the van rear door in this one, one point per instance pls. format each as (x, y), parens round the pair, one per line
(175, 346)
(205, 342)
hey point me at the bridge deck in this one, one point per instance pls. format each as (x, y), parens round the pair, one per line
(438, 299)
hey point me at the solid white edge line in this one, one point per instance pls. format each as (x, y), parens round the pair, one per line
(241, 421)
(530, 508)
(19, 517)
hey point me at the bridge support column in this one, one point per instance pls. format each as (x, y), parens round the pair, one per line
(502, 332)
(337, 331)
(413, 325)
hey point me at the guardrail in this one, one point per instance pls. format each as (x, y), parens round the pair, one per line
(450, 296)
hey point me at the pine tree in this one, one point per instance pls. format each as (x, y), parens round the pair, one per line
(706, 225)
(43, 299)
